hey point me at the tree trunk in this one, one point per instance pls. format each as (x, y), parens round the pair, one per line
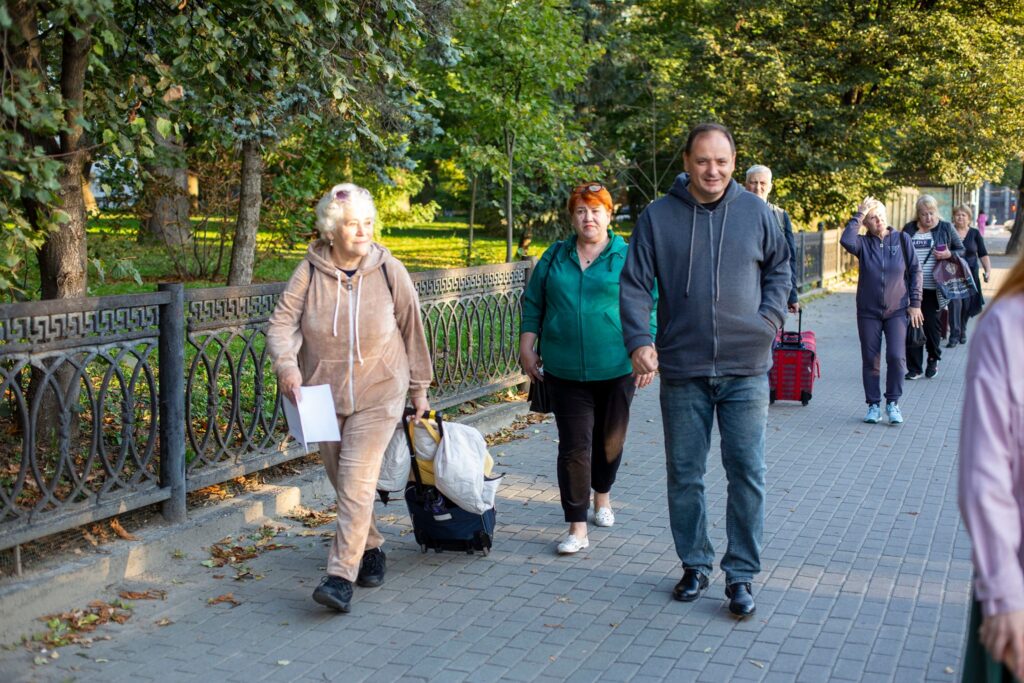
(169, 202)
(1017, 234)
(472, 219)
(62, 258)
(243, 251)
(510, 147)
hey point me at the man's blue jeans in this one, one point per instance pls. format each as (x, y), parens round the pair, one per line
(687, 409)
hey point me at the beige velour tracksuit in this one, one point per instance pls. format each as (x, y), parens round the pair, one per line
(365, 339)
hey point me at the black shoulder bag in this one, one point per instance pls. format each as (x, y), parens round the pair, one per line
(540, 395)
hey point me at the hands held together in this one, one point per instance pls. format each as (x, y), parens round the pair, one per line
(645, 364)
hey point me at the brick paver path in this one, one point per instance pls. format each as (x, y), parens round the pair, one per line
(866, 570)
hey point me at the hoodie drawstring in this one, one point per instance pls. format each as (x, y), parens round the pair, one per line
(721, 240)
(689, 266)
(337, 300)
(359, 291)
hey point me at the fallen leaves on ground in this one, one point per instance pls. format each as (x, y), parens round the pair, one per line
(227, 552)
(503, 436)
(314, 518)
(226, 598)
(164, 622)
(514, 431)
(121, 531)
(146, 595)
(68, 628)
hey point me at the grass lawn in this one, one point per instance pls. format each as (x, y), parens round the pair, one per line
(115, 255)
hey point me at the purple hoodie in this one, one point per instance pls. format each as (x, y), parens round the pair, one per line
(882, 277)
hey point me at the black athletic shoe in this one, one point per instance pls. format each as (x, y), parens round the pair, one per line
(334, 592)
(932, 369)
(371, 569)
(913, 375)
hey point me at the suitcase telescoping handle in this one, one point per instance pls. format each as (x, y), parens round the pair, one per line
(790, 337)
(799, 321)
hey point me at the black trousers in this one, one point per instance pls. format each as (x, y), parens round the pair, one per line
(592, 418)
(933, 340)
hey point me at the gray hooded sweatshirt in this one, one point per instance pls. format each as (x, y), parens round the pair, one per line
(723, 280)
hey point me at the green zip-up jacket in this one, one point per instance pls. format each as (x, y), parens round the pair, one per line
(575, 312)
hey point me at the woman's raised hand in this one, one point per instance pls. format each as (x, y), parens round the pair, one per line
(866, 205)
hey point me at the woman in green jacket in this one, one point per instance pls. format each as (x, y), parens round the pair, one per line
(572, 306)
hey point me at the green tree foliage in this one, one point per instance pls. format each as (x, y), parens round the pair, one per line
(506, 111)
(64, 99)
(843, 99)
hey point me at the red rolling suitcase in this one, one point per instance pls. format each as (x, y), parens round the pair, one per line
(794, 365)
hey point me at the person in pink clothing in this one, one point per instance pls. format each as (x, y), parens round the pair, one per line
(992, 485)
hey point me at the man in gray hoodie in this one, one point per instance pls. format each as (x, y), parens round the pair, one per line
(722, 271)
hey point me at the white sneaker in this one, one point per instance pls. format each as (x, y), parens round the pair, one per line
(604, 517)
(572, 544)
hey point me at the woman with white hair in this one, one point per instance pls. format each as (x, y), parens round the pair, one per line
(934, 240)
(888, 296)
(349, 317)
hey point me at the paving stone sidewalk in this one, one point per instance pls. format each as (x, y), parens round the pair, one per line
(866, 570)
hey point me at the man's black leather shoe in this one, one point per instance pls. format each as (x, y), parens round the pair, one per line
(741, 602)
(690, 586)
(334, 592)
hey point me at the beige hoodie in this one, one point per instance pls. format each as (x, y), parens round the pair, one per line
(352, 332)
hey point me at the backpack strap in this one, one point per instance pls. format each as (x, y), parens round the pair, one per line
(544, 285)
(387, 280)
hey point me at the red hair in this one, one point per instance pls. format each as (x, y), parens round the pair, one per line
(584, 194)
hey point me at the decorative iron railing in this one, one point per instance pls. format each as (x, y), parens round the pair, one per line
(113, 403)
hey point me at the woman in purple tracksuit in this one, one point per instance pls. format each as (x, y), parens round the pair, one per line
(888, 294)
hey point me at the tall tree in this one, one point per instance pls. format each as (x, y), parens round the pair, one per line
(843, 99)
(52, 112)
(506, 110)
(275, 68)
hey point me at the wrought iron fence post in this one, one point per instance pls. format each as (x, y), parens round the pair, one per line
(821, 261)
(172, 401)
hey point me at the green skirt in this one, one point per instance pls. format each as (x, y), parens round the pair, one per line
(979, 667)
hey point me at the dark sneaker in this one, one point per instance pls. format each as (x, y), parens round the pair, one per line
(963, 339)
(334, 592)
(932, 369)
(912, 375)
(741, 601)
(371, 569)
(952, 343)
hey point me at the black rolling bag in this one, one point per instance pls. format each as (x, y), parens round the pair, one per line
(438, 523)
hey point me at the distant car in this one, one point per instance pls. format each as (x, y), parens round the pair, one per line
(623, 213)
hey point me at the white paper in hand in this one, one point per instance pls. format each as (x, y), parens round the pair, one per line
(313, 419)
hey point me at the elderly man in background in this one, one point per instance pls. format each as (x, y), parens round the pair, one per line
(759, 181)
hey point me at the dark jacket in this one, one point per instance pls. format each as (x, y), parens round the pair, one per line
(884, 287)
(723, 279)
(576, 312)
(974, 249)
(786, 225)
(943, 233)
